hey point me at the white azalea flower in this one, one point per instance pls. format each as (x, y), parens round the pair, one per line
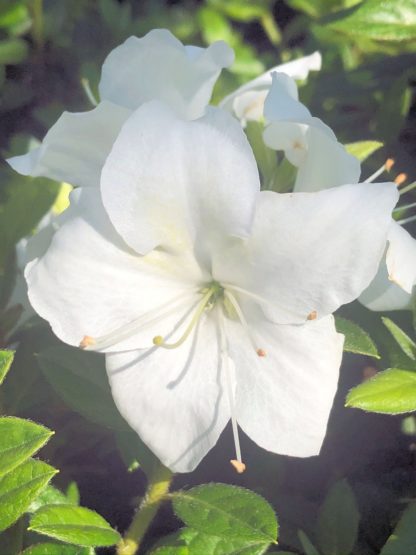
(247, 102)
(156, 66)
(322, 163)
(212, 300)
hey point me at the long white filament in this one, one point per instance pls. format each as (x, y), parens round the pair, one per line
(242, 318)
(142, 322)
(229, 387)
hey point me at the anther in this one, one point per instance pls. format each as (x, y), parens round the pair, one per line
(87, 341)
(261, 352)
(312, 315)
(389, 164)
(401, 178)
(158, 340)
(239, 466)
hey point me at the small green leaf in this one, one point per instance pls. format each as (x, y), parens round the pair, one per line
(57, 549)
(81, 380)
(338, 520)
(6, 359)
(407, 345)
(72, 494)
(75, 525)
(227, 512)
(403, 539)
(20, 487)
(19, 439)
(307, 545)
(13, 51)
(363, 149)
(388, 20)
(49, 496)
(197, 542)
(390, 392)
(356, 339)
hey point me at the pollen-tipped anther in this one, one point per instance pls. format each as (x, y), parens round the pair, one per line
(312, 315)
(261, 352)
(158, 340)
(389, 164)
(87, 341)
(401, 178)
(239, 466)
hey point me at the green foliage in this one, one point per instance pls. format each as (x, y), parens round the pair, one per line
(57, 549)
(403, 539)
(19, 439)
(392, 391)
(20, 487)
(363, 149)
(225, 518)
(6, 359)
(338, 520)
(356, 339)
(406, 344)
(388, 20)
(75, 525)
(81, 380)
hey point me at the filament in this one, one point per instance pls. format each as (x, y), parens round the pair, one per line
(242, 318)
(407, 220)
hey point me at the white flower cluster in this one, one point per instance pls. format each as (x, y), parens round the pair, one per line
(211, 299)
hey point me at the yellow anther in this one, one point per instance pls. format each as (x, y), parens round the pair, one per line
(261, 352)
(86, 341)
(158, 340)
(239, 466)
(312, 315)
(401, 178)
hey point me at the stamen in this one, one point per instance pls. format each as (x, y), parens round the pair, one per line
(408, 188)
(237, 462)
(159, 341)
(144, 321)
(400, 179)
(405, 207)
(239, 312)
(87, 341)
(253, 296)
(407, 220)
(312, 316)
(388, 164)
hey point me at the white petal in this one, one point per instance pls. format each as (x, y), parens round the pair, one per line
(179, 182)
(283, 400)
(90, 283)
(247, 102)
(382, 294)
(75, 148)
(282, 101)
(401, 258)
(311, 251)
(158, 67)
(174, 399)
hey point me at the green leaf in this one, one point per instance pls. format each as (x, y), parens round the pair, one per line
(49, 496)
(13, 51)
(19, 439)
(6, 359)
(388, 20)
(20, 487)
(75, 525)
(307, 545)
(363, 149)
(177, 550)
(338, 519)
(56, 549)
(72, 494)
(403, 539)
(390, 392)
(407, 345)
(227, 512)
(196, 542)
(80, 379)
(356, 339)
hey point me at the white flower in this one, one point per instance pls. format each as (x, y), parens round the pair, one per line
(212, 300)
(247, 102)
(156, 66)
(322, 163)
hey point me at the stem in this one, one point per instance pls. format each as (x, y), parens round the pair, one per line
(37, 13)
(159, 483)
